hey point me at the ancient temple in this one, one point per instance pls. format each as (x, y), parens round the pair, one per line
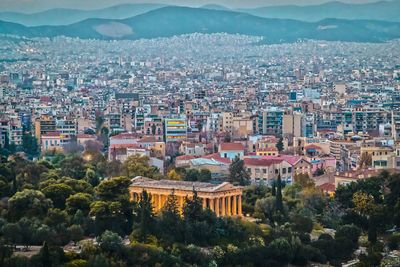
(224, 199)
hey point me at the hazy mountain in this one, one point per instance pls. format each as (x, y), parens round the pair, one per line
(215, 7)
(383, 10)
(61, 16)
(170, 21)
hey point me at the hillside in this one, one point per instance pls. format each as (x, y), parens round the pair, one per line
(63, 16)
(383, 10)
(170, 21)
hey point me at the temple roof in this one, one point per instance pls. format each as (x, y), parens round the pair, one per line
(145, 182)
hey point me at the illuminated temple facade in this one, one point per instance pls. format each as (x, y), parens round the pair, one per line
(224, 199)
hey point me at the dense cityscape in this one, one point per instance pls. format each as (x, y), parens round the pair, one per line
(199, 150)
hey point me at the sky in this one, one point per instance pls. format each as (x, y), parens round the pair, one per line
(30, 6)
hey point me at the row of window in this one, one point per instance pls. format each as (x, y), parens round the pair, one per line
(265, 170)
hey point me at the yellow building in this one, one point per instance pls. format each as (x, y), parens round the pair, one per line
(224, 199)
(381, 157)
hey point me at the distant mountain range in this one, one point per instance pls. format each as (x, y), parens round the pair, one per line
(383, 10)
(171, 21)
(64, 16)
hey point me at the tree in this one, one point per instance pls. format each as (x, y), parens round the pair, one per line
(56, 217)
(113, 189)
(170, 221)
(108, 215)
(110, 242)
(12, 233)
(91, 177)
(174, 175)
(205, 175)
(279, 200)
(79, 201)
(349, 232)
(279, 145)
(265, 209)
(146, 216)
(30, 145)
(192, 210)
(365, 160)
(304, 180)
(238, 173)
(136, 165)
(364, 204)
(28, 203)
(58, 193)
(191, 175)
(73, 167)
(75, 232)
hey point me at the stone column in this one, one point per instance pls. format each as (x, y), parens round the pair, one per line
(217, 206)
(240, 205)
(234, 211)
(229, 208)
(223, 213)
(204, 203)
(212, 206)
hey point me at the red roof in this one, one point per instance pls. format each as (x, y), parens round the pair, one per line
(312, 146)
(328, 187)
(147, 139)
(231, 146)
(261, 161)
(124, 136)
(292, 160)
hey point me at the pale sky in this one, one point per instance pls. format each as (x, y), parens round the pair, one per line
(30, 6)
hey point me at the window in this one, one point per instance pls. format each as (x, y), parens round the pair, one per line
(284, 171)
(264, 171)
(225, 155)
(289, 169)
(276, 171)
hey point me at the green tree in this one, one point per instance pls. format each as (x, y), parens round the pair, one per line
(279, 145)
(108, 215)
(58, 193)
(238, 173)
(30, 145)
(279, 200)
(73, 167)
(110, 242)
(75, 232)
(192, 209)
(146, 216)
(139, 166)
(205, 175)
(113, 189)
(191, 175)
(79, 201)
(91, 177)
(170, 221)
(31, 203)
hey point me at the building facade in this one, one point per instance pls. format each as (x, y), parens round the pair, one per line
(224, 199)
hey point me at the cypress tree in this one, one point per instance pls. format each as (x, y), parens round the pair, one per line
(146, 216)
(279, 202)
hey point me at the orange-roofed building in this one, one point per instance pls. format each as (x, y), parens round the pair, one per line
(231, 150)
